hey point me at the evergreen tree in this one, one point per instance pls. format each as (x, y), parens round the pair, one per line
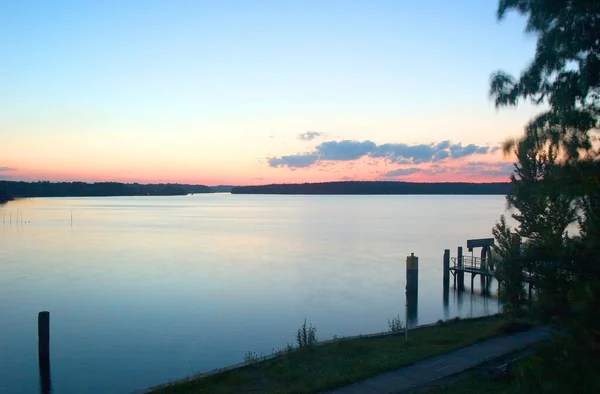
(561, 148)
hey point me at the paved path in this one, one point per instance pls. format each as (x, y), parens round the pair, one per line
(444, 365)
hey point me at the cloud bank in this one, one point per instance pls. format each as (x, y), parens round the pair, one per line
(309, 135)
(474, 168)
(405, 154)
(6, 169)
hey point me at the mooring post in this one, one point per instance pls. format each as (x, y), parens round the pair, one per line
(460, 273)
(412, 287)
(412, 273)
(44, 350)
(44, 335)
(484, 268)
(446, 270)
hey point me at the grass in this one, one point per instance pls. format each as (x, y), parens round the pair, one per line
(316, 368)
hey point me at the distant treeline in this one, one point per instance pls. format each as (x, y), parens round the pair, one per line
(500, 188)
(4, 196)
(10, 189)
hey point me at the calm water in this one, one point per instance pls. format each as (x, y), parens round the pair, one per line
(142, 290)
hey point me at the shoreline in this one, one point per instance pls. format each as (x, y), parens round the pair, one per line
(338, 353)
(272, 356)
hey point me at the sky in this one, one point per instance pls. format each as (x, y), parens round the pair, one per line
(254, 92)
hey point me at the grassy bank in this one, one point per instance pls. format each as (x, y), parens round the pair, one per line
(316, 368)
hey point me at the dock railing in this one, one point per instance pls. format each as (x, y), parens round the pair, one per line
(469, 263)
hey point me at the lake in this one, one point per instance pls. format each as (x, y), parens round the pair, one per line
(143, 290)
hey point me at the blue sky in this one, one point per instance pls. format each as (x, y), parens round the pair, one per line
(210, 91)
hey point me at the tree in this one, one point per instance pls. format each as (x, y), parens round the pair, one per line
(565, 73)
(510, 269)
(4, 195)
(565, 76)
(543, 212)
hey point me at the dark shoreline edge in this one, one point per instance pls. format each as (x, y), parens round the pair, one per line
(21, 189)
(379, 188)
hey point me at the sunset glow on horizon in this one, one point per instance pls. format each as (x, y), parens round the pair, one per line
(246, 93)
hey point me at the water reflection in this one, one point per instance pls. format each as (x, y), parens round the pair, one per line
(446, 303)
(469, 303)
(412, 305)
(217, 276)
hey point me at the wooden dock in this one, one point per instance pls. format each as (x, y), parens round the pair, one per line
(474, 266)
(461, 264)
(484, 266)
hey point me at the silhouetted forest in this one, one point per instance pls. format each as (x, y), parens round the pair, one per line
(502, 188)
(4, 196)
(10, 189)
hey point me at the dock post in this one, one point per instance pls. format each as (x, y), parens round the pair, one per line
(460, 273)
(412, 288)
(486, 261)
(446, 270)
(454, 277)
(44, 350)
(412, 273)
(44, 335)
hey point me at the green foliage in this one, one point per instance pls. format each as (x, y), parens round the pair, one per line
(251, 357)
(565, 72)
(306, 335)
(556, 181)
(568, 364)
(544, 210)
(395, 324)
(548, 193)
(510, 270)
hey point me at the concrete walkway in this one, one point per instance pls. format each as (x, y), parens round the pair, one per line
(444, 365)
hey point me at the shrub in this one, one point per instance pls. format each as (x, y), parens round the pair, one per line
(306, 335)
(395, 324)
(251, 357)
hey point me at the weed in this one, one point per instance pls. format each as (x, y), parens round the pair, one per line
(395, 324)
(251, 357)
(306, 335)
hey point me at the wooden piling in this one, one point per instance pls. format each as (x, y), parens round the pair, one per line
(460, 273)
(446, 263)
(44, 351)
(412, 288)
(44, 335)
(412, 274)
